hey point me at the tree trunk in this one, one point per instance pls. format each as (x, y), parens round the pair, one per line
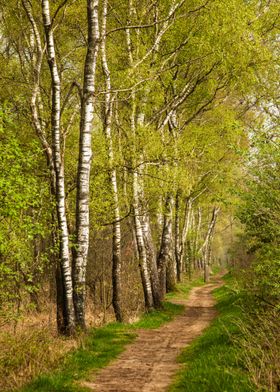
(197, 226)
(165, 259)
(178, 242)
(116, 262)
(143, 263)
(39, 126)
(152, 262)
(181, 237)
(64, 253)
(206, 247)
(84, 165)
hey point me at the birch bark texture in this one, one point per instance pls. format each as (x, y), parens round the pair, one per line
(181, 235)
(143, 262)
(84, 164)
(165, 260)
(151, 260)
(64, 253)
(207, 245)
(107, 123)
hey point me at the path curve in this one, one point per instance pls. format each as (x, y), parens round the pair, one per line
(148, 364)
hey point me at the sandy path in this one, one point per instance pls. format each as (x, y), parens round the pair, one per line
(148, 364)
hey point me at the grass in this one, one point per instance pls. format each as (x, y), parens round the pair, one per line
(101, 345)
(157, 318)
(98, 348)
(183, 289)
(211, 363)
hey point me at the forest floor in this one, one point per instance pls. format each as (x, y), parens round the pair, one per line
(149, 363)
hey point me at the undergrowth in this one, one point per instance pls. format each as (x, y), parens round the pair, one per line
(29, 352)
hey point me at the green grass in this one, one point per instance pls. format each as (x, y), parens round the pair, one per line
(157, 318)
(98, 348)
(210, 363)
(183, 289)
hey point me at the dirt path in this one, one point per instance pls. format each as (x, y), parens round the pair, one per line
(149, 363)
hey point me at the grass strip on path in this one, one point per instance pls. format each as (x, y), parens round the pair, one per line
(211, 363)
(101, 345)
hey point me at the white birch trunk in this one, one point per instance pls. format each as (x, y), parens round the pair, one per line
(199, 261)
(143, 263)
(165, 258)
(151, 260)
(37, 60)
(39, 126)
(59, 170)
(206, 247)
(84, 165)
(147, 233)
(116, 262)
(184, 234)
(137, 210)
(178, 244)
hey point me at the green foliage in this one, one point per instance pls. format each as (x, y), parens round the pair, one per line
(260, 214)
(213, 58)
(21, 199)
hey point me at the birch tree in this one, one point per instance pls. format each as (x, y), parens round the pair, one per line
(166, 257)
(108, 107)
(69, 317)
(206, 247)
(85, 156)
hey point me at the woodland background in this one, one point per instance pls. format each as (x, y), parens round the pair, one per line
(139, 147)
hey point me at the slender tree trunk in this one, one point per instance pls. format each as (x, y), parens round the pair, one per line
(152, 262)
(184, 234)
(159, 222)
(138, 213)
(178, 242)
(143, 263)
(147, 235)
(165, 259)
(64, 253)
(39, 127)
(206, 247)
(190, 246)
(116, 272)
(116, 262)
(197, 226)
(84, 165)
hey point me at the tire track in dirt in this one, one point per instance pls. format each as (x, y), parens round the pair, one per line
(149, 363)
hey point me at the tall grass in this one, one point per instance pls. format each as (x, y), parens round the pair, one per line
(26, 353)
(260, 343)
